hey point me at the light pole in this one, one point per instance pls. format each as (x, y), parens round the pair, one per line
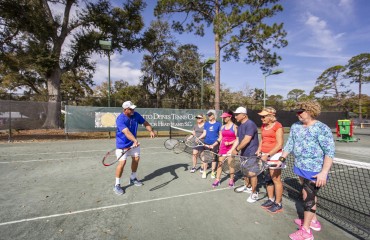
(209, 61)
(273, 72)
(107, 45)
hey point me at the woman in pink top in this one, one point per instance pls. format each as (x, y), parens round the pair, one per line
(270, 149)
(226, 139)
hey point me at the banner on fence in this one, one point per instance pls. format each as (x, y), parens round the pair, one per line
(95, 119)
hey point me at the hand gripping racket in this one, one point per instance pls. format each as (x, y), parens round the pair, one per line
(110, 157)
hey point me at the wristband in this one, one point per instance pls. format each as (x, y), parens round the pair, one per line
(236, 149)
(282, 159)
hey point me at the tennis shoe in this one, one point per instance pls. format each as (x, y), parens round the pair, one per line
(231, 183)
(301, 234)
(216, 183)
(267, 204)
(213, 174)
(118, 190)
(201, 170)
(192, 170)
(244, 189)
(315, 225)
(204, 175)
(136, 182)
(275, 208)
(253, 197)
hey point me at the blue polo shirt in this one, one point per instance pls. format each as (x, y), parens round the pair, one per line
(132, 123)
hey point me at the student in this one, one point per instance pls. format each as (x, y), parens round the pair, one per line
(226, 139)
(312, 144)
(270, 149)
(246, 145)
(210, 134)
(198, 129)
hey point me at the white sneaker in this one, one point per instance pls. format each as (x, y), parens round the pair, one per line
(204, 174)
(213, 175)
(244, 189)
(253, 197)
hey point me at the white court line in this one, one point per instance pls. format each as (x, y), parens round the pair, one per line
(76, 158)
(87, 151)
(108, 207)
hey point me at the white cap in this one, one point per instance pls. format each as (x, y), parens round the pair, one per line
(241, 110)
(213, 112)
(128, 104)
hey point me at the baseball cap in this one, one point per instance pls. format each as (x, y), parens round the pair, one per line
(212, 112)
(128, 104)
(241, 110)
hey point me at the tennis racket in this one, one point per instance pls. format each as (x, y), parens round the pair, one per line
(170, 143)
(179, 147)
(253, 166)
(231, 163)
(192, 141)
(110, 157)
(208, 156)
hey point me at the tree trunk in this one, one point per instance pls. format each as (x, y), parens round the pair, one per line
(218, 65)
(54, 107)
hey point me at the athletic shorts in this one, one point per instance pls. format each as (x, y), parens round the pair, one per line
(133, 152)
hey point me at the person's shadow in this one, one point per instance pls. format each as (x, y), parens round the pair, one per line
(168, 169)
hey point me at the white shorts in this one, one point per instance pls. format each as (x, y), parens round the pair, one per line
(133, 152)
(275, 158)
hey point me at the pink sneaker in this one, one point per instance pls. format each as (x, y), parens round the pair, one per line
(231, 183)
(301, 234)
(216, 183)
(315, 225)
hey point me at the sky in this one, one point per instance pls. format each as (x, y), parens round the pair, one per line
(321, 34)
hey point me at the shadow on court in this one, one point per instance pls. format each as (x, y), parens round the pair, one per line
(168, 169)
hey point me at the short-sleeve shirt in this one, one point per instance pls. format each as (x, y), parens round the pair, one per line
(198, 130)
(132, 123)
(248, 128)
(212, 132)
(269, 137)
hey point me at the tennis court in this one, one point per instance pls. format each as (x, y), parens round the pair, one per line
(60, 190)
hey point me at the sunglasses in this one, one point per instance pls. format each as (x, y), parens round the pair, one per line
(263, 117)
(301, 111)
(209, 115)
(198, 118)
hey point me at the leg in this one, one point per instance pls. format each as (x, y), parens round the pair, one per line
(135, 164)
(195, 155)
(278, 185)
(119, 168)
(309, 200)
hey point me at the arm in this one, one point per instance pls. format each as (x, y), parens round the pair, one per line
(130, 136)
(149, 128)
(238, 146)
(323, 175)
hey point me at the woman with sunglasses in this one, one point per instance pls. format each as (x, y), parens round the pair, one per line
(270, 149)
(198, 129)
(210, 134)
(312, 144)
(226, 139)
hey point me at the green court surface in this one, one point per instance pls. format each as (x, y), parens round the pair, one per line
(60, 190)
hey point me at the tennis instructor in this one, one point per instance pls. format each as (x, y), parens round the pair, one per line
(127, 124)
